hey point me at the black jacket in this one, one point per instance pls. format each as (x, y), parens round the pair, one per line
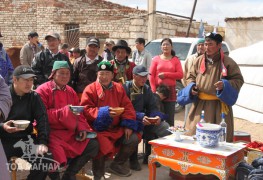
(42, 65)
(84, 74)
(28, 107)
(144, 102)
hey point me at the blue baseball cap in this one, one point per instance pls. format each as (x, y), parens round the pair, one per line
(140, 70)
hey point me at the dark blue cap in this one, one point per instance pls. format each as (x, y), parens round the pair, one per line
(140, 70)
(214, 36)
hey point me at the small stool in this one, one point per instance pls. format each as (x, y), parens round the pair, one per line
(241, 136)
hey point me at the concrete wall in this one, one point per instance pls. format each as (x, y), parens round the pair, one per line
(101, 18)
(242, 32)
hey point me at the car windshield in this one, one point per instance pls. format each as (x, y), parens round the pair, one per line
(181, 49)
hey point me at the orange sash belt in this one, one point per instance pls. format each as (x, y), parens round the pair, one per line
(209, 97)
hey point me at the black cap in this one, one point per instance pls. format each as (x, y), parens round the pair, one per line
(24, 71)
(93, 40)
(32, 34)
(140, 70)
(214, 36)
(76, 50)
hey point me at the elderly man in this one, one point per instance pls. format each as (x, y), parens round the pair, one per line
(30, 49)
(144, 103)
(200, 49)
(114, 131)
(43, 62)
(214, 82)
(27, 105)
(5, 105)
(85, 69)
(68, 134)
(122, 66)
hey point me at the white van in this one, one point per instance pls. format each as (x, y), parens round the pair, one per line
(183, 47)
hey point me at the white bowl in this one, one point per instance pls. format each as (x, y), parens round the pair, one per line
(177, 134)
(208, 135)
(21, 124)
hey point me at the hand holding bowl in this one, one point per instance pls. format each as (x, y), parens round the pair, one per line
(76, 109)
(21, 124)
(152, 120)
(117, 110)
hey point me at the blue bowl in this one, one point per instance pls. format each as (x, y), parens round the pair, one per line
(208, 135)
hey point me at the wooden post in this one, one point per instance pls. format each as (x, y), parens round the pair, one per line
(151, 20)
(191, 19)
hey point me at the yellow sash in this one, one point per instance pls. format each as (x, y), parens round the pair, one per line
(204, 96)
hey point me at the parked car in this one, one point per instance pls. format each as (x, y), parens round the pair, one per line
(183, 47)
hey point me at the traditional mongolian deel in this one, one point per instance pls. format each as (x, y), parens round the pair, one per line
(62, 141)
(97, 102)
(205, 74)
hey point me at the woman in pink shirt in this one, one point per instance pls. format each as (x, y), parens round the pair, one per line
(166, 69)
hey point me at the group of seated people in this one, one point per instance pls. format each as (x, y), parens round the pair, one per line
(67, 139)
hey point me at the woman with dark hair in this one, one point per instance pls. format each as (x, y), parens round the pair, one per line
(166, 69)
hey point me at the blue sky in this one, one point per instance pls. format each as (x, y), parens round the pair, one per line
(209, 11)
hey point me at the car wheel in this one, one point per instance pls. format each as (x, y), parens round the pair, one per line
(178, 108)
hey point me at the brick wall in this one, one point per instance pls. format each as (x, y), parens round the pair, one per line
(17, 18)
(94, 17)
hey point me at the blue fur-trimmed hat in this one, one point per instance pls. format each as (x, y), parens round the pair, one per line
(105, 66)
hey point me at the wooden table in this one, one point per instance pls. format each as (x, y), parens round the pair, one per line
(188, 156)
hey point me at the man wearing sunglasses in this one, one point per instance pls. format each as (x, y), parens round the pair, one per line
(214, 82)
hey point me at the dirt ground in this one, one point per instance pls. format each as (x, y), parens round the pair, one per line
(255, 130)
